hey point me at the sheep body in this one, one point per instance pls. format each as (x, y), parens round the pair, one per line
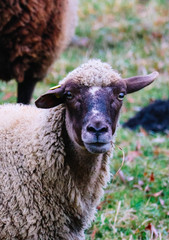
(33, 194)
(52, 179)
(153, 118)
(32, 35)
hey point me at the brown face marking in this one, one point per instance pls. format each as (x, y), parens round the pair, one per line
(92, 114)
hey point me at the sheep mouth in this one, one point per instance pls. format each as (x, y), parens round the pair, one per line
(98, 147)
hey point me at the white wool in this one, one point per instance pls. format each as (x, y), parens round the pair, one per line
(69, 22)
(38, 190)
(93, 73)
(36, 186)
(48, 191)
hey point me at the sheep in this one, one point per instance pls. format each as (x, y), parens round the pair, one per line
(153, 118)
(54, 159)
(32, 35)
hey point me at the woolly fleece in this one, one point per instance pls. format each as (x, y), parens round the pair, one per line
(93, 73)
(39, 197)
(34, 33)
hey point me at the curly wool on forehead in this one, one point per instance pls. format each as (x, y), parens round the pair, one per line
(93, 73)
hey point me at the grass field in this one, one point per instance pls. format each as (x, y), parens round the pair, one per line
(133, 36)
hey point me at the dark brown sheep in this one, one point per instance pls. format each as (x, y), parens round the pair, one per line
(153, 118)
(32, 35)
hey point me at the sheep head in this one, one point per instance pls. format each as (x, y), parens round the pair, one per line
(93, 95)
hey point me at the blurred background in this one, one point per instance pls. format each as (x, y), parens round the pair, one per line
(133, 37)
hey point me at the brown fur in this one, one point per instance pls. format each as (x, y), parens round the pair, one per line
(32, 35)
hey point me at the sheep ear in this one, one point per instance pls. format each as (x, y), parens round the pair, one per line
(138, 82)
(51, 98)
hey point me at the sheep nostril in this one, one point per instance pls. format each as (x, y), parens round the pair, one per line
(91, 129)
(94, 129)
(103, 129)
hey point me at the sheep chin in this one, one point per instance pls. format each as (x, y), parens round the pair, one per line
(97, 148)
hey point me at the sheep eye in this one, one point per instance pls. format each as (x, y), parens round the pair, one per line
(69, 95)
(121, 96)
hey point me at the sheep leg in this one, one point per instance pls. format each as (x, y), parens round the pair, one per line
(25, 90)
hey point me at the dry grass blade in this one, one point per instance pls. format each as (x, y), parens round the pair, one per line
(122, 160)
(115, 219)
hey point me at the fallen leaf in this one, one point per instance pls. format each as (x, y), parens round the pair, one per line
(138, 145)
(143, 131)
(152, 229)
(95, 230)
(158, 151)
(130, 99)
(129, 179)
(148, 227)
(140, 182)
(138, 186)
(157, 194)
(7, 96)
(99, 207)
(157, 35)
(122, 176)
(152, 177)
(137, 231)
(132, 155)
(147, 189)
(162, 202)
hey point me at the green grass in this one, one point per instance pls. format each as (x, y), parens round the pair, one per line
(133, 36)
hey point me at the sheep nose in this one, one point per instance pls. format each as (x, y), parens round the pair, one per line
(97, 128)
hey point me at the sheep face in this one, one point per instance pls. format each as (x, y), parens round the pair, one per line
(92, 111)
(92, 114)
